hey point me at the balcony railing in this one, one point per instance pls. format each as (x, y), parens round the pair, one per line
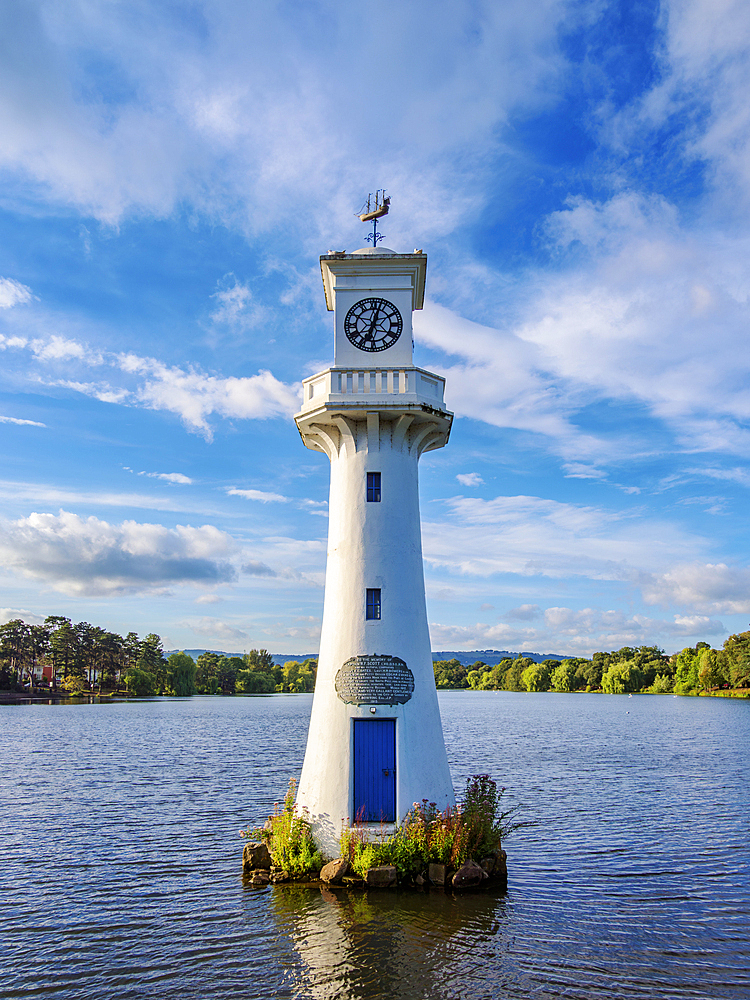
(336, 384)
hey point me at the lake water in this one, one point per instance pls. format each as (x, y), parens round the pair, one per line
(120, 874)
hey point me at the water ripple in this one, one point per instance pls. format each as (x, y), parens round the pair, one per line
(120, 875)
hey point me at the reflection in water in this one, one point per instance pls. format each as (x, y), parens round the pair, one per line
(359, 945)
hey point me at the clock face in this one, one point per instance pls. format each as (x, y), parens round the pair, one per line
(373, 324)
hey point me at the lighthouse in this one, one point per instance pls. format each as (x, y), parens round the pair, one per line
(375, 743)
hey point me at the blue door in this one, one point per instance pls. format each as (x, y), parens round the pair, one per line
(375, 770)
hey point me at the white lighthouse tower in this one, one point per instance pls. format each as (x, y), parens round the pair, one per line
(375, 744)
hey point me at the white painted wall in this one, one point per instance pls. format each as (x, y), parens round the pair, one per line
(373, 545)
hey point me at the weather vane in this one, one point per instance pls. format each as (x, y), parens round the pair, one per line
(374, 211)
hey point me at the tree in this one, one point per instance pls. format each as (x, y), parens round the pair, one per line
(109, 654)
(131, 647)
(81, 667)
(452, 673)
(536, 677)
(254, 682)
(181, 675)
(151, 659)
(227, 669)
(207, 673)
(622, 678)
(737, 651)
(14, 636)
(512, 670)
(38, 647)
(262, 661)
(139, 682)
(686, 671)
(63, 646)
(713, 669)
(563, 677)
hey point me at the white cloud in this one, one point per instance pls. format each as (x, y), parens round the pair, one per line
(191, 394)
(469, 479)
(13, 293)
(209, 599)
(98, 390)
(13, 490)
(713, 588)
(235, 307)
(219, 631)
(577, 632)
(56, 348)
(535, 536)
(17, 342)
(18, 420)
(523, 613)
(11, 614)
(260, 495)
(195, 396)
(734, 475)
(235, 112)
(579, 470)
(500, 381)
(255, 568)
(88, 556)
(169, 477)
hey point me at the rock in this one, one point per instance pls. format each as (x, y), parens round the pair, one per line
(489, 863)
(469, 875)
(261, 876)
(501, 868)
(381, 877)
(436, 874)
(418, 880)
(279, 874)
(334, 871)
(255, 855)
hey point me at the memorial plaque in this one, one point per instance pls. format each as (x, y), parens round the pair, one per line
(374, 680)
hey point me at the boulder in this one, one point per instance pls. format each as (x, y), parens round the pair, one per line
(279, 874)
(469, 875)
(381, 877)
(419, 880)
(436, 874)
(501, 868)
(489, 863)
(261, 876)
(334, 871)
(255, 855)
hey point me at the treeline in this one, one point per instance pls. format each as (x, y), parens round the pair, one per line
(641, 669)
(60, 656)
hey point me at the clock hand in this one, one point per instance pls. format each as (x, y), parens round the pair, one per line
(373, 324)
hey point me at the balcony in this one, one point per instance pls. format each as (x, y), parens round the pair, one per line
(377, 387)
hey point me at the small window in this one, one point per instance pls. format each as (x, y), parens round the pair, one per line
(372, 607)
(373, 487)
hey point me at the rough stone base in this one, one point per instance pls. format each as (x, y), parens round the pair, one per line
(255, 855)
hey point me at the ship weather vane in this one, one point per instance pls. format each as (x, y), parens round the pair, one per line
(375, 209)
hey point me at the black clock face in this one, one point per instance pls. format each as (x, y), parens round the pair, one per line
(373, 324)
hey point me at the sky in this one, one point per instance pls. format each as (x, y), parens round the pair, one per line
(578, 174)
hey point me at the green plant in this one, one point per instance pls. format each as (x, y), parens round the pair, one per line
(663, 684)
(473, 829)
(483, 821)
(289, 838)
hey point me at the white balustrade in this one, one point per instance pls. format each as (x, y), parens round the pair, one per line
(343, 382)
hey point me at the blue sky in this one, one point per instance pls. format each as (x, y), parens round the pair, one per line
(578, 174)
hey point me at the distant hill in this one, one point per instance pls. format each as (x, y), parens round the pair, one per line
(488, 656)
(278, 658)
(493, 656)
